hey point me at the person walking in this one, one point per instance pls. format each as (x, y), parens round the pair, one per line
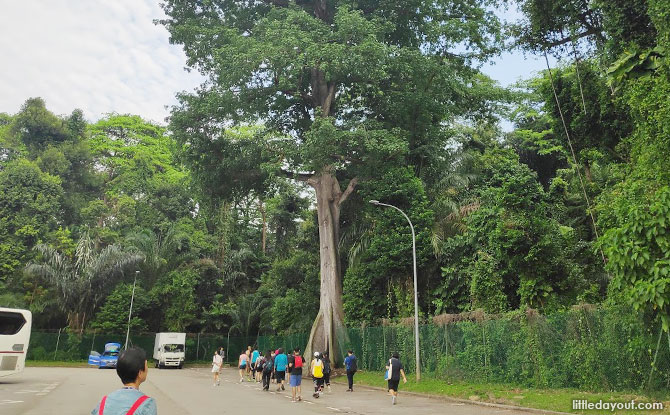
(222, 354)
(254, 356)
(268, 366)
(217, 364)
(295, 367)
(350, 364)
(242, 364)
(281, 361)
(326, 370)
(395, 370)
(132, 369)
(316, 368)
(248, 366)
(273, 354)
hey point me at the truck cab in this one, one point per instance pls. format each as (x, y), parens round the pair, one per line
(170, 350)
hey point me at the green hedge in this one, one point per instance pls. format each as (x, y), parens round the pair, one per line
(587, 348)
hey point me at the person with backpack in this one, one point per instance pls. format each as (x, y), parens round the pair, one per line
(260, 362)
(326, 369)
(395, 370)
(351, 366)
(317, 374)
(295, 367)
(268, 365)
(132, 369)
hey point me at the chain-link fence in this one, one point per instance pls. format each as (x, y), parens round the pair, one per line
(586, 347)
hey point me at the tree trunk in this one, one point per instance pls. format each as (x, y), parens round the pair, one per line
(329, 322)
(264, 232)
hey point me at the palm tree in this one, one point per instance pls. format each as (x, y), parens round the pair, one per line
(159, 252)
(83, 281)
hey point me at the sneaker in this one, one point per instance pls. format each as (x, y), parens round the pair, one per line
(282, 387)
(299, 398)
(393, 400)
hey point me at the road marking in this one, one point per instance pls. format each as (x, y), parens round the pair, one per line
(8, 402)
(311, 403)
(457, 404)
(334, 409)
(27, 391)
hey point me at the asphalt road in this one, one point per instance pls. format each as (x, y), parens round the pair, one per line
(47, 391)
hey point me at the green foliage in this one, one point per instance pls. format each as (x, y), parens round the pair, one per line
(380, 283)
(113, 314)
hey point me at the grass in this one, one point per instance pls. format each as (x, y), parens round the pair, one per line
(51, 363)
(548, 399)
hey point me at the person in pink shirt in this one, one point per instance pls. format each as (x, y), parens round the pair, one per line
(242, 364)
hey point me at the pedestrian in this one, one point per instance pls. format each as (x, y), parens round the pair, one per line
(268, 365)
(242, 364)
(260, 362)
(281, 361)
(316, 368)
(254, 356)
(351, 366)
(295, 367)
(222, 354)
(326, 369)
(272, 375)
(133, 370)
(217, 363)
(395, 370)
(248, 353)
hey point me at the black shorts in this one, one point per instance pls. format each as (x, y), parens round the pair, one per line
(259, 368)
(393, 384)
(280, 375)
(318, 382)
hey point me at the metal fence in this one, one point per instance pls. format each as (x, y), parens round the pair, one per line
(586, 347)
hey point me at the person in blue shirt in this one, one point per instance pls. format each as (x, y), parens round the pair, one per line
(351, 366)
(281, 360)
(254, 357)
(132, 369)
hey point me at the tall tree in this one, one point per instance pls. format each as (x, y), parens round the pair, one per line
(333, 82)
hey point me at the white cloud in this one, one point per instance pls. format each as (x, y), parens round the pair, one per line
(100, 56)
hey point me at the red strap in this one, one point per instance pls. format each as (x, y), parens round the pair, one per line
(102, 405)
(137, 404)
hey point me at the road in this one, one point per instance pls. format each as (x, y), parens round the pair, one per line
(47, 391)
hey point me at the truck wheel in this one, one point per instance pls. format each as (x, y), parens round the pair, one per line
(181, 366)
(156, 364)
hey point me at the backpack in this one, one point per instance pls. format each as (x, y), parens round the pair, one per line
(326, 366)
(267, 367)
(317, 371)
(298, 362)
(352, 364)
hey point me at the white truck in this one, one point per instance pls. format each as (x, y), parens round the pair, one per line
(170, 349)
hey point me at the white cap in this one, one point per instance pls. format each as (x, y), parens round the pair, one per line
(316, 354)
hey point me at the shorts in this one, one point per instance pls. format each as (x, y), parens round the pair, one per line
(393, 384)
(253, 366)
(296, 380)
(280, 375)
(259, 368)
(318, 382)
(216, 369)
(242, 367)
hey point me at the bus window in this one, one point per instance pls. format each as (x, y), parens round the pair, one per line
(11, 323)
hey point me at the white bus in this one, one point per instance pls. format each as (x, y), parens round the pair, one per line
(15, 327)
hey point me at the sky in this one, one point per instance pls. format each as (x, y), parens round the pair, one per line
(109, 57)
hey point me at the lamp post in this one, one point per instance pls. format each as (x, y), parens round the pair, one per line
(416, 295)
(130, 312)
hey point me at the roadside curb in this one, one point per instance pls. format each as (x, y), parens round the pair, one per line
(467, 401)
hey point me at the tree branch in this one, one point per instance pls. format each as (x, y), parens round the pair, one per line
(589, 32)
(349, 190)
(301, 177)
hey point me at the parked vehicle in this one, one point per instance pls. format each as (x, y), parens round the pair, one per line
(108, 358)
(170, 350)
(15, 327)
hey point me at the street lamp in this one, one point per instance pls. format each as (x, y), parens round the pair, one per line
(416, 295)
(130, 312)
